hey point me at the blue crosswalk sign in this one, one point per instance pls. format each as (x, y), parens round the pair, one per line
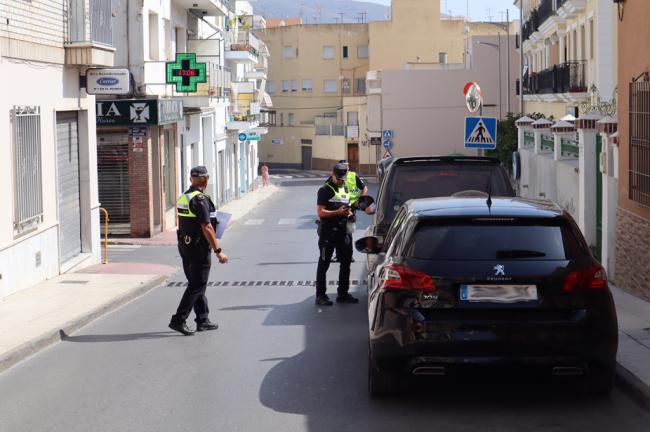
(481, 132)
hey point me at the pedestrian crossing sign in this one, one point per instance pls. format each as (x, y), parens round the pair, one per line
(481, 132)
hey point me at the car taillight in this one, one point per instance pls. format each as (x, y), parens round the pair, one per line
(593, 277)
(398, 277)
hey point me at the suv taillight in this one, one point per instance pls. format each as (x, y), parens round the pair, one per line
(398, 277)
(593, 277)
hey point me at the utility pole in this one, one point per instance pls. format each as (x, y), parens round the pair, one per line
(341, 15)
(508, 48)
(521, 59)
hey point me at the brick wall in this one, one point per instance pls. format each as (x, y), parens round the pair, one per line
(141, 188)
(633, 254)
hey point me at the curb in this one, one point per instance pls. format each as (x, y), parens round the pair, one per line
(634, 387)
(50, 337)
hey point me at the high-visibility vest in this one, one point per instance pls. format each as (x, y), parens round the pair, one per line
(183, 204)
(351, 185)
(341, 196)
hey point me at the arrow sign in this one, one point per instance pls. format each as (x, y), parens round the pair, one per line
(481, 132)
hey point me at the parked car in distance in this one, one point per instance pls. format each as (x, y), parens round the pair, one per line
(480, 281)
(434, 176)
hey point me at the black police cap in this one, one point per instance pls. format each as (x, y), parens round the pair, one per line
(340, 171)
(199, 171)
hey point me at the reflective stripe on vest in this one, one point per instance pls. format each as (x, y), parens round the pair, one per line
(351, 184)
(340, 195)
(183, 204)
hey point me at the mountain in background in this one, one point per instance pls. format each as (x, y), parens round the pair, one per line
(323, 11)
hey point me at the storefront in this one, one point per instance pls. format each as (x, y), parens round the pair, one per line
(136, 161)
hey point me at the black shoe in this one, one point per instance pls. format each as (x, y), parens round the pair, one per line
(352, 259)
(323, 301)
(346, 298)
(206, 325)
(181, 328)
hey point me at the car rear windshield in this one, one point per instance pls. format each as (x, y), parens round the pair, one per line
(412, 181)
(495, 241)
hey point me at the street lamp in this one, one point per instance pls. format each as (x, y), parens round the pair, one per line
(498, 47)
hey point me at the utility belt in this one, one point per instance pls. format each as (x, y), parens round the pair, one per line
(188, 240)
(347, 227)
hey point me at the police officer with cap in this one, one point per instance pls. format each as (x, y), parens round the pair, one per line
(356, 188)
(197, 221)
(333, 209)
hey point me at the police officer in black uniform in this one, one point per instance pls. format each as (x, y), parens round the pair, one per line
(334, 211)
(197, 221)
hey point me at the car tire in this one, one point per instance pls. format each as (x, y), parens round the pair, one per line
(380, 384)
(599, 383)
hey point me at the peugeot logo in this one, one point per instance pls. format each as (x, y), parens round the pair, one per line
(107, 81)
(499, 270)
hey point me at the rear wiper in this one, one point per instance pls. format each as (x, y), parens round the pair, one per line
(519, 253)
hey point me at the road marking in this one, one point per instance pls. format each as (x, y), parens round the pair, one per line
(254, 222)
(287, 221)
(268, 283)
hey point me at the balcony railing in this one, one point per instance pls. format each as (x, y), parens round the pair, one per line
(246, 41)
(564, 78)
(531, 26)
(331, 129)
(545, 10)
(90, 21)
(560, 3)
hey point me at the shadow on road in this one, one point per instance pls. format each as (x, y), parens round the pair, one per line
(117, 337)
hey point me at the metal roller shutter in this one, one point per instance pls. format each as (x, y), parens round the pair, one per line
(68, 185)
(113, 178)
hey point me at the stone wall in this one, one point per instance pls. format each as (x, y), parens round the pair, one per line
(633, 254)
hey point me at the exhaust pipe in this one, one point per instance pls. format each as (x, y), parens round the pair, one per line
(567, 371)
(429, 370)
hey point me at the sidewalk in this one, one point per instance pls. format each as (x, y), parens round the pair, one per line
(237, 208)
(633, 371)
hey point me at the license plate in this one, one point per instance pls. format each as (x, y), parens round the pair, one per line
(498, 293)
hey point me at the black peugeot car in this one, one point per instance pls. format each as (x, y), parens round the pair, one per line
(482, 281)
(433, 176)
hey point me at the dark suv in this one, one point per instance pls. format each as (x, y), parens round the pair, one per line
(474, 281)
(430, 177)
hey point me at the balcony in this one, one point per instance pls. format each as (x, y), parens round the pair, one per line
(210, 7)
(90, 33)
(545, 11)
(571, 8)
(245, 50)
(531, 26)
(564, 78)
(244, 115)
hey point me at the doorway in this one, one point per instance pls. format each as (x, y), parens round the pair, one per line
(353, 157)
(306, 158)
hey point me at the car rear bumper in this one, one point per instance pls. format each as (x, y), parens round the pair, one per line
(577, 339)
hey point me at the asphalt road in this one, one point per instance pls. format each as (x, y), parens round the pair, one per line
(277, 363)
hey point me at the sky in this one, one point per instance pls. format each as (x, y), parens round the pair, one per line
(478, 9)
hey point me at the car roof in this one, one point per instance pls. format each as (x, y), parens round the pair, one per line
(477, 207)
(447, 159)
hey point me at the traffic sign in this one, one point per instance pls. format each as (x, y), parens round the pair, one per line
(388, 134)
(243, 137)
(388, 144)
(481, 132)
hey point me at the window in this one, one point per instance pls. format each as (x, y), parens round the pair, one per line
(154, 37)
(294, 86)
(329, 86)
(289, 52)
(270, 87)
(345, 86)
(639, 168)
(360, 86)
(28, 198)
(345, 52)
(307, 85)
(362, 52)
(442, 57)
(281, 119)
(290, 119)
(353, 118)
(591, 39)
(285, 86)
(328, 52)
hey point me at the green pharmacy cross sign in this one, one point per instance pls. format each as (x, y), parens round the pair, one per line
(186, 73)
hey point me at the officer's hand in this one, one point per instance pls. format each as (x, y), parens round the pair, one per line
(223, 258)
(345, 211)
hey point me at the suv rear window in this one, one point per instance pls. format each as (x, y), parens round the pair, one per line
(412, 181)
(471, 241)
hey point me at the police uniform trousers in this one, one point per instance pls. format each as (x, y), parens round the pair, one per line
(329, 240)
(196, 265)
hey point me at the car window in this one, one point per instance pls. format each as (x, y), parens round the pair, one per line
(394, 228)
(412, 181)
(489, 241)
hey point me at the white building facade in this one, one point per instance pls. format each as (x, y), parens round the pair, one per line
(48, 158)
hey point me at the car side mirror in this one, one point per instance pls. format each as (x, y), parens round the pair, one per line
(368, 245)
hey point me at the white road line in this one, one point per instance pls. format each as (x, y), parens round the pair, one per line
(254, 222)
(299, 176)
(287, 221)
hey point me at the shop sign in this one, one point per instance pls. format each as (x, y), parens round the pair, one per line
(143, 112)
(108, 81)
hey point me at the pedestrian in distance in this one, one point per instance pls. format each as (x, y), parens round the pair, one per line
(335, 212)
(265, 175)
(197, 222)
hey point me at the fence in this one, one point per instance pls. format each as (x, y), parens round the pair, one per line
(529, 139)
(569, 148)
(548, 143)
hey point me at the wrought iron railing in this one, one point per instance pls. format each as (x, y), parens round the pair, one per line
(545, 10)
(569, 148)
(564, 78)
(639, 151)
(531, 26)
(548, 143)
(94, 25)
(529, 139)
(560, 3)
